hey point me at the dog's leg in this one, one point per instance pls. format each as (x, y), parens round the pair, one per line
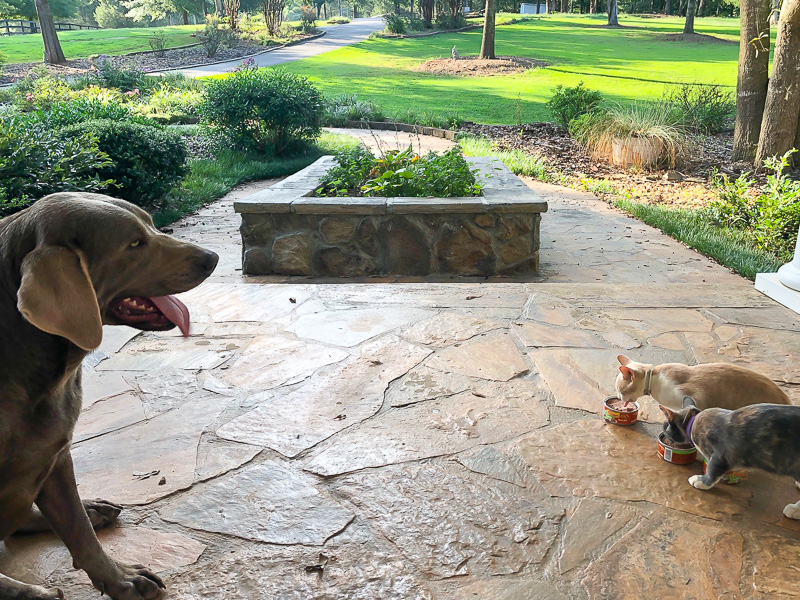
(11, 589)
(101, 513)
(62, 507)
(715, 469)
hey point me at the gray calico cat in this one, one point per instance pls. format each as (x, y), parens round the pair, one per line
(761, 436)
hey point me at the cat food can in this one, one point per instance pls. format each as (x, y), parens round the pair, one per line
(731, 477)
(676, 456)
(614, 412)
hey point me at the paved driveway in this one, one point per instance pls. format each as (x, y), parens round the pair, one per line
(336, 36)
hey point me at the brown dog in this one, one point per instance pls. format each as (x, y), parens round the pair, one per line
(69, 264)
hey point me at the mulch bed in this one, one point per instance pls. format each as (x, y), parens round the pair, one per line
(472, 66)
(698, 38)
(145, 61)
(687, 186)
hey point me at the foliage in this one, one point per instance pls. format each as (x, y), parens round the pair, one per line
(232, 12)
(450, 119)
(338, 21)
(771, 215)
(111, 14)
(171, 103)
(308, 19)
(153, 10)
(40, 92)
(638, 121)
(518, 161)
(158, 43)
(703, 108)
(263, 110)
(147, 161)
(214, 35)
(568, 103)
(401, 173)
(447, 21)
(125, 79)
(347, 107)
(32, 166)
(62, 114)
(394, 24)
(273, 15)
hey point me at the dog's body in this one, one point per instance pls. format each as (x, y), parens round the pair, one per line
(714, 385)
(68, 265)
(761, 436)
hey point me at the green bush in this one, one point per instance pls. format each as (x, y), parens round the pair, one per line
(338, 21)
(347, 107)
(32, 166)
(123, 79)
(703, 108)
(444, 20)
(263, 109)
(394, 24)
(400, 173)
(770, 215)
(308, 19)
(62, 114)
(147, 161)
(171, 104)
(40, 92)
(214, 35)
(568, 103)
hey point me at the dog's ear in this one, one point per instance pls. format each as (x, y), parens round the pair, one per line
(56, 295)
(623, 360)
(627, 373)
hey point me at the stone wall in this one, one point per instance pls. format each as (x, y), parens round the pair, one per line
(286, 232)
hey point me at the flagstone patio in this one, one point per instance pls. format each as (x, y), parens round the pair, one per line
(432, 440)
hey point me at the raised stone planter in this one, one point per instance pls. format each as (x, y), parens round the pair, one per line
(286, 231)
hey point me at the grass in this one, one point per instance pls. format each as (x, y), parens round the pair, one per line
(626, 64)
(210, 179)
(727, 246)
(81, 44)
(518, 161)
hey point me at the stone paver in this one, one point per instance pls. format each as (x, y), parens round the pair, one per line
(431, 440)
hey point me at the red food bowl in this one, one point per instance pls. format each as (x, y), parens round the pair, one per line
(614, 413)
(676, 456)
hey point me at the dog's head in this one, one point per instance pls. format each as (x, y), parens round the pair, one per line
(89, 260)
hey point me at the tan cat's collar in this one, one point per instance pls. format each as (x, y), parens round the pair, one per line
(647, 377)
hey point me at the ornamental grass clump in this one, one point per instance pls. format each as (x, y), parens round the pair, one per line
(629, 125)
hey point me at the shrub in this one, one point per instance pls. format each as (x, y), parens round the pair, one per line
(32, 166)
(214, 35)
(444, 20)
(171, 104)
(40, 92)
(654, 122)
(263, 109)
(148, 161)
(347, 107)
(353, 165)
(63, 114)
(568, 103)
(124, 79)
(703, 108)
(308, 19)
(339, 21)
(395, 24)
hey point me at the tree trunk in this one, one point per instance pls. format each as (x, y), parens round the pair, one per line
(782, 109)
(667, 6)
(691, 9)
(613, 20)
(487, 44)
(700, 8)
(564, 6)
(185, 14)
(751, 85)
(220, 7)
(776, 12)
(593, 7)
(53, 53)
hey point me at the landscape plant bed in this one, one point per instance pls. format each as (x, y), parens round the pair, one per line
(474, 66)
(287, 230)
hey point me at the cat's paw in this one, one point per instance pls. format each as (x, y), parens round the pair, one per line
(797, 483)
(792, 511)
(696, 481)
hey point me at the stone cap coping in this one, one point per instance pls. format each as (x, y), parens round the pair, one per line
(503, 192)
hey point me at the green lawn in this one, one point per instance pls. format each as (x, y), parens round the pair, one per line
(625, 64)
(80, 44)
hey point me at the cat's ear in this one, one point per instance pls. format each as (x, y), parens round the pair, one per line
(627, 373)
(688, 401)
(623, 360)
(667, 412)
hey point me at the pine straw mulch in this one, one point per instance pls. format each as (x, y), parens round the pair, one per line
(686, 186)
(472, 66)
(697, 38)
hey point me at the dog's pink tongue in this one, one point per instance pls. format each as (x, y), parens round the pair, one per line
(174, 310)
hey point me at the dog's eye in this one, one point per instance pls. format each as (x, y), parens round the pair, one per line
(136, 244)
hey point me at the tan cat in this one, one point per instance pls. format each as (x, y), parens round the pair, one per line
(711, 385)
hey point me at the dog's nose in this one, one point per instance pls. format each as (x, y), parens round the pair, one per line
(209, 261)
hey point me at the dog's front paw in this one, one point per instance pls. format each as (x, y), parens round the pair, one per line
(134, 582)
(697, 482)
(792, 511)
(102, 513)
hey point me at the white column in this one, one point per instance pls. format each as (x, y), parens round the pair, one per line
(783, 286)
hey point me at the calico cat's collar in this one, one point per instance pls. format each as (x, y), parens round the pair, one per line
(647, 377)
(689, 427)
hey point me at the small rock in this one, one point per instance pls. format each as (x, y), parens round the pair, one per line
(673, 176)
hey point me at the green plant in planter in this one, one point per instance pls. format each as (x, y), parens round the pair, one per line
(263, 110)
(648, 128)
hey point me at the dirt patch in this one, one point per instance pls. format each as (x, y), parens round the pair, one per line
(685, 187)
(472, 66)
(697, 38)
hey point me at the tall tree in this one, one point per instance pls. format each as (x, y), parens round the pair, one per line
(691, 9)
(751, 85)
(427, 12)
(53, 53)
(782, 109)
(487, 44)
(613, 10)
